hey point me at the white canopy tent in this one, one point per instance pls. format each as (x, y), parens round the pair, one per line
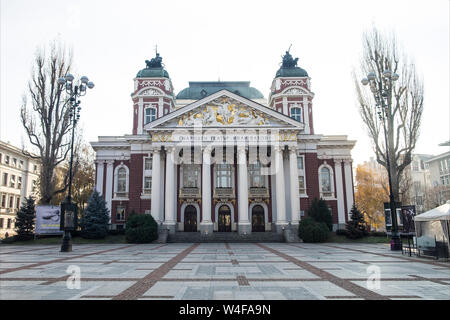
(432, 227)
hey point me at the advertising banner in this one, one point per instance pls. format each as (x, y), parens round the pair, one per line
(388, 216)
(48, 219)
(408, 212)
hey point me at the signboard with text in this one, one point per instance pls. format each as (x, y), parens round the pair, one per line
(48, 219)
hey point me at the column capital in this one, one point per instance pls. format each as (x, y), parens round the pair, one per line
(278, 148)
(347, 161)
(109, 162)
(156, 150)
(100, 161)
(241, 149)
(170, 149)
(207, 149)
(292, 149)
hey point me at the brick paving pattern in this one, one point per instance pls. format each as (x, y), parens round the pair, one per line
(227, 271)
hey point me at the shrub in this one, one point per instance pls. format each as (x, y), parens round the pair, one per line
(320, 212)
(25, 220)
(356, 227)
(341, 232)
(313, 231)
(141, 228)
(94, 222)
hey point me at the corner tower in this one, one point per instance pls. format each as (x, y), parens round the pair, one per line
(291, 93)
(153, 94)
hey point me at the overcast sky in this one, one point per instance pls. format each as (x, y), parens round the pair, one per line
(230, 40)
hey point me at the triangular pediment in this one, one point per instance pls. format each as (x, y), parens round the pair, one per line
(221, 110)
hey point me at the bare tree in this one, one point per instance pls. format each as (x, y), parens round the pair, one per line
(404, 107)
(45, 115)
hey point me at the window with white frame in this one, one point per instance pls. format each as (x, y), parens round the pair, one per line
(150, 114)
(3, 203)
(296, 113)
(19, 182)
(223, 175)
(120, 213)
(256, 179)
(12, 182)
(6, 159)
(122, 180)
(326, 182)
(147, 183)
(11, 201)
(301, 174)
(5, 179)
(18, 202)
(148, 163)
(191, 173)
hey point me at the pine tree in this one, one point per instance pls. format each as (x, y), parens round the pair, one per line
(320, 212)
(94, 222)
(25, 220)
(357, 226)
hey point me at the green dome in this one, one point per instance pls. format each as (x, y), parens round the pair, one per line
(152, 73)
(199, 90)
(291, 72)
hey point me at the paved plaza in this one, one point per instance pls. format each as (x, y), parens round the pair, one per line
(208, 271)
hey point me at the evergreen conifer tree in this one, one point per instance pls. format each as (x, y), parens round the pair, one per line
(357, 226)
(94, 221)
(25, 220)
(320, 212)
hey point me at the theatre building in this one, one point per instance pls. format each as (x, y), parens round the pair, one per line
(219, 157)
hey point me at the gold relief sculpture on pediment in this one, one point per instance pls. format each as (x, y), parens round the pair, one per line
(162, 137)
(224, 111)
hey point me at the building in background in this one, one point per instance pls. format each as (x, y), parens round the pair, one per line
(18, 177)
(420, 184)
(439, 167)
(218, 157)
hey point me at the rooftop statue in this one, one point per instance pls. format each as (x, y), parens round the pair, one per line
(155, 62)
(288, 60)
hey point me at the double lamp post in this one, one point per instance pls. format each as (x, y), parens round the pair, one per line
(382, 92)
(74, 90)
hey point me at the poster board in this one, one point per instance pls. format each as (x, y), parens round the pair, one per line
(48, 219)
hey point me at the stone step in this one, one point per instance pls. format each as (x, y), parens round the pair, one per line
(225, 237)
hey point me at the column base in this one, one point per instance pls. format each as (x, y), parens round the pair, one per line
(244, 228)
(206, 228)
(171, 226)
(280, 226)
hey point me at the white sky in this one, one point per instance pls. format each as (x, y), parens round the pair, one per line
(233, 40)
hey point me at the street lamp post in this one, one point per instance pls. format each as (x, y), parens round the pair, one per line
(382, 93)
(68, 209)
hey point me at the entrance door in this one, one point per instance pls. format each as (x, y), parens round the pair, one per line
(190, 219)
(224, 219)
(258, 223)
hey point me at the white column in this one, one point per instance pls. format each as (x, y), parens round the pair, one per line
(160, 107)
(339, 192)
(295, 197)
(156, 186)
(109, 185)
(140, 116)
(169, 219)
(243, 223)
(99, 179)
(206, 225)
(280, 193)
(348, 185)
(306, 114)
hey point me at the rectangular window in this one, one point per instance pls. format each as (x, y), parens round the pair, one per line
(21, 164)
(256, 179)
(14, 162)
(190, 175)
(18, 202)
(11, 202)
(1, 223)
(300, 163)
(120, 213)
(301, 184)
(12, 183)
(5, 179)
(7, 160)
(223, 176)
(3, 201)
(9, 224)
(148, 183)
(19, 182)
(148, 164)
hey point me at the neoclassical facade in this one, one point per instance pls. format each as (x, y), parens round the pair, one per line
(218, 157)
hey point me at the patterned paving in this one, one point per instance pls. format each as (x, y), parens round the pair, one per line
(208, 271)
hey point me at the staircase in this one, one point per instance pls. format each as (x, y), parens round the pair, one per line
(225, 237)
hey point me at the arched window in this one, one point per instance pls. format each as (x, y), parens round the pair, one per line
(296, 114)
(150, 114)
(326, 181)
(122, 180)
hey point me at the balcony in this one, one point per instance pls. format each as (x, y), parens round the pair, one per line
(190, 193)
(224, 193)
(254, 192)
